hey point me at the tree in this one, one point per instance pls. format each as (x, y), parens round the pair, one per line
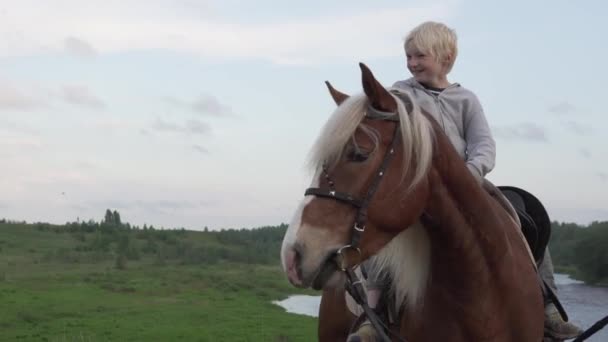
(121, 262)
(109, 218)
(116, 217)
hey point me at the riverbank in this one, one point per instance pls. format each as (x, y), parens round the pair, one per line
(574, 273)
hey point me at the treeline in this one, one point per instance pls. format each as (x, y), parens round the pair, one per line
(111, 239)
(581, 250)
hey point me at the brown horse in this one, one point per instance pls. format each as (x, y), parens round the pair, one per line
(459, 267)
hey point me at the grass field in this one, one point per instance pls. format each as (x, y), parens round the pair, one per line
(50, 293)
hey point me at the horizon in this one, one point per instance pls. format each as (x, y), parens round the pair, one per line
(134, 226)
(194, 114)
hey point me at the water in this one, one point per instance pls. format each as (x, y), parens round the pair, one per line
(301, 304)
(585, 304)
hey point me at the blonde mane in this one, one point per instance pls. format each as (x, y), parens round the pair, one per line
(406, 258)
(416, 134)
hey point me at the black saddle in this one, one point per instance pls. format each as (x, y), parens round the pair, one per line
(535, 222)
(536, 227)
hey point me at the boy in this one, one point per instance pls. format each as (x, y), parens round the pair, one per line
(431, 49)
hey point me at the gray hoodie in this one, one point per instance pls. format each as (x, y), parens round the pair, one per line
(459, 112)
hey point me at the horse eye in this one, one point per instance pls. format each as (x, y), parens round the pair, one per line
(357, 156)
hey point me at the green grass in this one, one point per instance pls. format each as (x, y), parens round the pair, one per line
(171, 303)
(46, 298)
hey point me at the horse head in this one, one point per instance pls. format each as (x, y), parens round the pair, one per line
(371, 164)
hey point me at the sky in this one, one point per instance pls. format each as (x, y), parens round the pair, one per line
(184, 113)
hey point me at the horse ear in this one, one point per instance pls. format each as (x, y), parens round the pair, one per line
(379, 97)
(338, 96)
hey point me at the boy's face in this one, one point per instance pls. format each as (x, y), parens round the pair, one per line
(425, 68)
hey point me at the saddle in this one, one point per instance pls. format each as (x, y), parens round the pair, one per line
(535, 226)
(535, 222)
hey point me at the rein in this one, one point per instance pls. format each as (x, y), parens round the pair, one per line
(599, 325)
(354, 285)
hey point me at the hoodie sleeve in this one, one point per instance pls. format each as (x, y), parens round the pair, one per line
(481, 148)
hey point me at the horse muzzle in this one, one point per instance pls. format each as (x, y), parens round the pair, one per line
(309, 273)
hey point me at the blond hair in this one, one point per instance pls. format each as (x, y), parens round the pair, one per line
(435, 39)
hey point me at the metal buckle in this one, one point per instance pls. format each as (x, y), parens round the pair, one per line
(341, 257)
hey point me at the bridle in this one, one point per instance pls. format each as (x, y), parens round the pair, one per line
(361, 204)
(353, 285)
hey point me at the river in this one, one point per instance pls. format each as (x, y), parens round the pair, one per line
(585, 304)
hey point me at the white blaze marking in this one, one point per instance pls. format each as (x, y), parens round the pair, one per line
(296, 222)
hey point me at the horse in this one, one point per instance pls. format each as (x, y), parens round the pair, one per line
(387, 182)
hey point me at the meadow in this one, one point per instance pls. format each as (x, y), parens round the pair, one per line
(62, 284)
(109, 281)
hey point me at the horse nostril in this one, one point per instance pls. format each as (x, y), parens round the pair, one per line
(298, 259)
(293, 265)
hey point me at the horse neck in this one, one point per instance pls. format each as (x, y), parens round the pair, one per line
(462, 224)
(474, 260)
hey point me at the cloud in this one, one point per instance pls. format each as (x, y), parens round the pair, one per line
(165, 126)
(578, 128)
(109, 124)
(20, 143)
(562, 108)
(190, 127)
(205, 104)
(13, 97)
(89, 165)
(602, 176)
(79, 48)
(200, 149)
(57, 177)
(145, 132)
(584, 152)
(17, 127)
(197, 127)
(28, 97)
(35, 27)
(80, 95)
(19, 140)
(521, 132)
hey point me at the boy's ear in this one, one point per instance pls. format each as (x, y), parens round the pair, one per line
(449, 58)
